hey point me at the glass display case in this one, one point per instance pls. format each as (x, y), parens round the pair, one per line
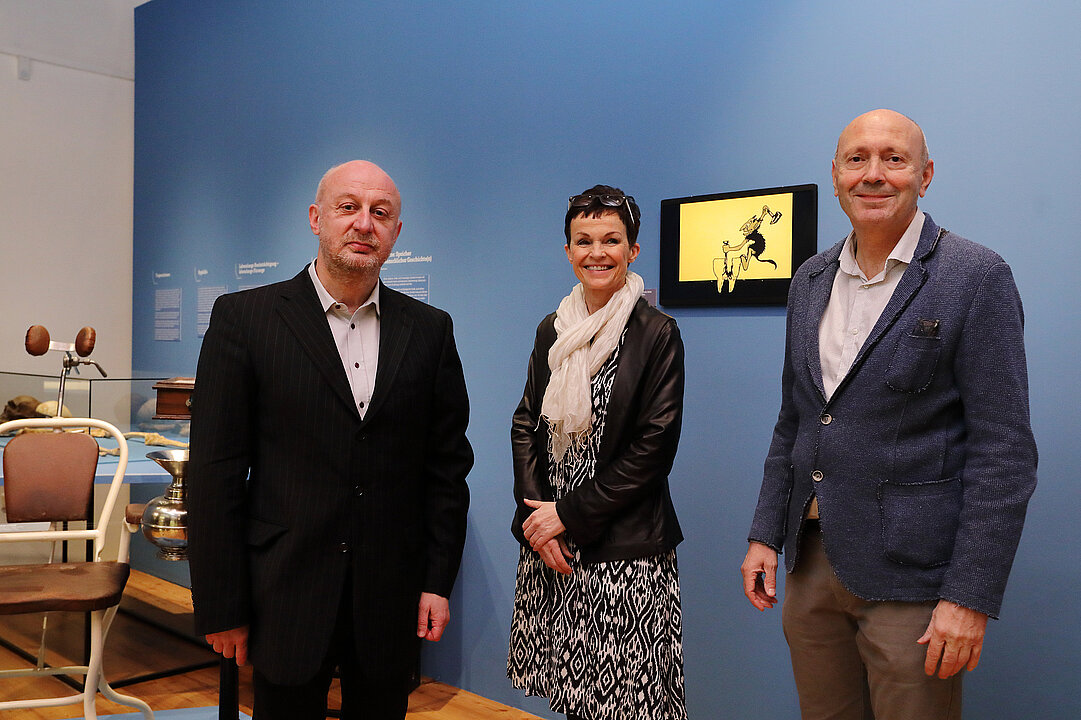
(128, 403)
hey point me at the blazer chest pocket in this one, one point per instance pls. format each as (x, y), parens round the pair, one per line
(919, 522)
(913, 365)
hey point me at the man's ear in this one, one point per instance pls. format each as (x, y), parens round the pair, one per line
(928, 173)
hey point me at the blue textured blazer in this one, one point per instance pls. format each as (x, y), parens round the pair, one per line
(923, 460)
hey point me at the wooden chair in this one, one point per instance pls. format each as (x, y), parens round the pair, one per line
(49, 477)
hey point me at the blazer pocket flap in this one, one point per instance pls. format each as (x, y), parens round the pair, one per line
(261, 532)
(919, 521)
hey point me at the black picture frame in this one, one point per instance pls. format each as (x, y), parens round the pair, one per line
(733, 248)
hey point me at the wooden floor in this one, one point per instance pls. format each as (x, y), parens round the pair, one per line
(136, 648)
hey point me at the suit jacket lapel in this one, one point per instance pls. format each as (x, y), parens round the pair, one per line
(300, 311)
(818, 297)
(912, 280)
(395, 327)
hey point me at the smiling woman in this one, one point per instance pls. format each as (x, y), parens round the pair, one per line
(600, 252)
(597, 627)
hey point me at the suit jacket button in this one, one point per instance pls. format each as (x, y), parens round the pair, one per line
(343, 548)
(825, 418)
(817, 476)
(358, 491)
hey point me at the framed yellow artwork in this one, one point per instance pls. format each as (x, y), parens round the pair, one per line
(736, 248)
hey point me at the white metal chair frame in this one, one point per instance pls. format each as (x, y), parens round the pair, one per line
(100, 620)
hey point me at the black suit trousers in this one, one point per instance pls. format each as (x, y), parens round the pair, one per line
(361, 698)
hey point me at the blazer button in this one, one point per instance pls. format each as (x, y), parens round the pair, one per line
(817, 476)
(825, 418)
(343, 548)
(358, 491)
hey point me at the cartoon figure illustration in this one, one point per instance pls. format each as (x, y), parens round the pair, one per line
(738, 257)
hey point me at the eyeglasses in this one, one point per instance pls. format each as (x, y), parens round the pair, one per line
(613, 201)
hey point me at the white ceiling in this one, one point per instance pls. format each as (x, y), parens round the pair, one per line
(93, 35)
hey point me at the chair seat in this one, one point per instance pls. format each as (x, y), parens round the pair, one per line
(78, 587)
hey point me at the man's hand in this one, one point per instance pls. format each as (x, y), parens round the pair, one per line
(542, 525)
(433, 614)
(231, 643)
(955, 637)
(759, 571)
(554, 552)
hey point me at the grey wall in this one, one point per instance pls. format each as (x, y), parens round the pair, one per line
(66, 101)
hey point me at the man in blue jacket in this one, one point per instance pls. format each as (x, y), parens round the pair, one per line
(902, 460)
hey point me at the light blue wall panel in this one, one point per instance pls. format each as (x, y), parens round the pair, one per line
(488, 115)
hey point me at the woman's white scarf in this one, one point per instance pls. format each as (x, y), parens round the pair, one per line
(583, 343)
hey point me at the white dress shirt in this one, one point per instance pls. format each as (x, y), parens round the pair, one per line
(357, 338)
(857, 301)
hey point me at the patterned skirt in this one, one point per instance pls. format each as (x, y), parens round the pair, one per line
(605, 642)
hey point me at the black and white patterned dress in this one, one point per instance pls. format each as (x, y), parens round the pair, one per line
(604, 642)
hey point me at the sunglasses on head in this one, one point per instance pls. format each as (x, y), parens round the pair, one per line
(613, 201)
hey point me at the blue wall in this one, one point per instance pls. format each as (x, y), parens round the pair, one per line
(488, 115)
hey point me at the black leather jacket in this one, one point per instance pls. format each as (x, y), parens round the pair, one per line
(625, 511)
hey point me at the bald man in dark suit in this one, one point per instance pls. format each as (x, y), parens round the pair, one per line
(327, 488)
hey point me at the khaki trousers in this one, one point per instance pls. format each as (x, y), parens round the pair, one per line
(854, 659)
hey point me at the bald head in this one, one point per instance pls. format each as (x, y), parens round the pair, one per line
(885, 118)
(359, 173)
(880, 171)
(357, 218)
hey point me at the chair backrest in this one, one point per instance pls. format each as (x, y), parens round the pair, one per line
(32, 451)
(50, 476)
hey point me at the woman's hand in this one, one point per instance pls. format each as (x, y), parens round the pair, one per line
(542, 525)
(554, 554)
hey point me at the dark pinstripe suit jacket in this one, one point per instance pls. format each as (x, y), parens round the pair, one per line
(289, 489)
